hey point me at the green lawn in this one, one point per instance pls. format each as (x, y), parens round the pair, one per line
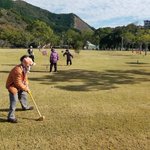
(101, 102)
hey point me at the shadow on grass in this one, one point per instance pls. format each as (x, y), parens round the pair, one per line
(36, 71)
(6, 109)
(8, 64)
(84, 80)
(137, 63)
(4, 71)
(28, 118)
(48, 65)
(39, 71)
(3, 120)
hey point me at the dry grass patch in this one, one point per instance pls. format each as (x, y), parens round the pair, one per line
(101, 102)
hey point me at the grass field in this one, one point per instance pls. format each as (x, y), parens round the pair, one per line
(101, 102)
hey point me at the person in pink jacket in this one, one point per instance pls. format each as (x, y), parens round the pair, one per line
(17, 85)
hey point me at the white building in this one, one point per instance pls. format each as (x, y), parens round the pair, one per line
(90, 46)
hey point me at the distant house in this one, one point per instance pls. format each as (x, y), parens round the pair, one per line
(90, 46)
(147, 24)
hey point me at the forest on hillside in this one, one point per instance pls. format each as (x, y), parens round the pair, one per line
(39, 33)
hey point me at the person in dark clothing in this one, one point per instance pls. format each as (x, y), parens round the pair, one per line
(31, 53)
(69, 57)
(53, 60)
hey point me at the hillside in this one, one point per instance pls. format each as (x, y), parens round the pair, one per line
(19, 13)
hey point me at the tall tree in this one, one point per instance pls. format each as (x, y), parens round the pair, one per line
(41, 31)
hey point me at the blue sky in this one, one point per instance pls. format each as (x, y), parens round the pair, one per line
(100, 13)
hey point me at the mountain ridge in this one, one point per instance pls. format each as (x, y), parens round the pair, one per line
(26, 13)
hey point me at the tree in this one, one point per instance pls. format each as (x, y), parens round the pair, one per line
(73, 38)
(103, 35)
(87, 36)
(6, 4)
(145, 38)
(128, 39)
(41, 31)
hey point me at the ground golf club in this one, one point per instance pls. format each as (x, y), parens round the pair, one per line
(41, 118)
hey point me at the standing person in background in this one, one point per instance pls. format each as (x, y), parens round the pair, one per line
(17, 85)
(69, 57)
(31, 53)
(53, 60)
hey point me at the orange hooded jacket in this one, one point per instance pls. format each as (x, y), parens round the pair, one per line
(17, 80)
